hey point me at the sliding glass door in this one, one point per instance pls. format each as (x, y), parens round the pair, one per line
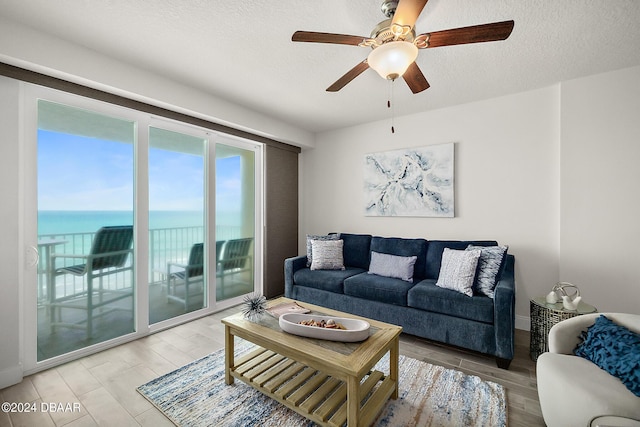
(235, 221)
(133, 223)
(85, 173)
(177, 229)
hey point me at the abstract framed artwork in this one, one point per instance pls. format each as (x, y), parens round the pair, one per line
(410, 182)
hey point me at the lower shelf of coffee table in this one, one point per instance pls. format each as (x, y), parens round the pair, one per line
(313, 394)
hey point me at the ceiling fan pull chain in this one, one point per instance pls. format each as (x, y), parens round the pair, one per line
(391, 105)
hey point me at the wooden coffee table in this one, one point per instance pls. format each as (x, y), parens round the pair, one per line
(325, 381)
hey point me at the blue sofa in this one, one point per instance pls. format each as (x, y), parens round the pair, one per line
(423, 309)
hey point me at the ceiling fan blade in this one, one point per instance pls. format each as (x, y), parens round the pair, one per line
(414, 78)
(350, 75)
(313, 37)
(408, 11)
(474, 34)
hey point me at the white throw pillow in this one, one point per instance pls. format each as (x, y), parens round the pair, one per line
(327, 255)
(311, 237)
(457, 270)
(387, 265)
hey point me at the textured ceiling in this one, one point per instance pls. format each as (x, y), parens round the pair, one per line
(241, 51)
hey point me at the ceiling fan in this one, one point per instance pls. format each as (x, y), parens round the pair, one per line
(395, 45)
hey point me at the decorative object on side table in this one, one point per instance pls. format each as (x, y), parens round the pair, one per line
(255, 305)
(559, 294)
(559, 304)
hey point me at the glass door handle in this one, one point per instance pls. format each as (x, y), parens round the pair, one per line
(32, 256)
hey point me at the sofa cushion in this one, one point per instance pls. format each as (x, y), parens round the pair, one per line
(378, 288)
(425, 295)
(404, 248)
(327, 280)
(490, 264)
(356, 250)
(458, 270)
(327, 255)
(614, 348)
(399, 267)
(311, 237)
(435, 248)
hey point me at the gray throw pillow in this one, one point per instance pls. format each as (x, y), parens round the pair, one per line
(458, 269)
(327, 255)
(387, 265)
(491, 258)
(311, 237)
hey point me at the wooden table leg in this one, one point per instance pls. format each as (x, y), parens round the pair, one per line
(353, 402)
(394, 356)
(228, 355)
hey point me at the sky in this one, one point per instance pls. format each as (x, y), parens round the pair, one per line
(80, 173)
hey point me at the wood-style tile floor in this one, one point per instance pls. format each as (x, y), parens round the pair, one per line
(101, 389)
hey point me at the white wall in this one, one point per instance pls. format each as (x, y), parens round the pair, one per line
(506, 181)
(600, 203)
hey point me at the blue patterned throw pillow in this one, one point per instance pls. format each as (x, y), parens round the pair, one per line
(615, 349)
(489, 265)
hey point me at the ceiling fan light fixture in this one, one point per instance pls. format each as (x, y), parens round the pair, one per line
(392, 59)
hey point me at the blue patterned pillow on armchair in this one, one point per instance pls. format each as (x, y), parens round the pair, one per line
(614, 348)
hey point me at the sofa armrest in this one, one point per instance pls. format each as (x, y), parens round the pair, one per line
(504, 311)
(565, 336)
(291, 265)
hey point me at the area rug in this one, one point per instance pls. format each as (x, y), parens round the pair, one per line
(430, 395)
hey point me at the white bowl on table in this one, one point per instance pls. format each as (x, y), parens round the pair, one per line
(356, 329)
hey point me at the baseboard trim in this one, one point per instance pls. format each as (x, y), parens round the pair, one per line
(523, 323)
(11, 376)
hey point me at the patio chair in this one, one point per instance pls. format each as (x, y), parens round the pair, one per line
(235, 259)
(108, 255)
(189, 273)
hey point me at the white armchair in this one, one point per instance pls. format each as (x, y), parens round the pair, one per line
(574, 391)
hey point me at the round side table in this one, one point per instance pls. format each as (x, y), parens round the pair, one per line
(544, 316)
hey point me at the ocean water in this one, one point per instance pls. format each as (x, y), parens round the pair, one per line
(167, 243)
(64, 222)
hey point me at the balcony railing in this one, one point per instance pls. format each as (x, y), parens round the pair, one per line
(165, 245)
